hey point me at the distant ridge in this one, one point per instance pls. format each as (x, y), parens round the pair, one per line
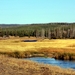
(34, 24)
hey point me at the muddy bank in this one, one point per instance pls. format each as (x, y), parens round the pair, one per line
(12, 66)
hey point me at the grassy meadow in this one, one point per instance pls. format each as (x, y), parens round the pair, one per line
(17, 44)
(41, 47)
(15, 47)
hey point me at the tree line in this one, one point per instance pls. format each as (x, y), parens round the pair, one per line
(55, 33)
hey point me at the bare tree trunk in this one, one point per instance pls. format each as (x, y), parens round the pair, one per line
(49, 34)
(71, 33)
(37, 33)
(43, 33)
(60, 34)
(46, 33)
(68, 33)
(57, 33)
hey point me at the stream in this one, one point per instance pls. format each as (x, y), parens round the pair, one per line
(52, 61)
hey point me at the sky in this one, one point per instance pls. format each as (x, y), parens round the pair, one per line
(36, 11)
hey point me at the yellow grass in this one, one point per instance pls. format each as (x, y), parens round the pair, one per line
(12, 66)
(16, 44)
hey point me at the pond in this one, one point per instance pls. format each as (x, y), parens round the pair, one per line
(29, 40)
(52, 61)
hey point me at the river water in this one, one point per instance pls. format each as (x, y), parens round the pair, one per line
(52, 61)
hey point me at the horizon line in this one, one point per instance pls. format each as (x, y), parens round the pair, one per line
(35, 23)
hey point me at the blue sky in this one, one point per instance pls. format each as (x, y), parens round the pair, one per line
(36, 11)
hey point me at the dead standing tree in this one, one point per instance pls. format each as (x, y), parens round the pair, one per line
(57, 33)
(71, 33)
(60, 33)
(46, 33)
(49, 34)
(74, 33)
(68, 33)
(43, 33)
(37, 33)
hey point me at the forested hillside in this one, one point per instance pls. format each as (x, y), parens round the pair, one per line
(49, 30)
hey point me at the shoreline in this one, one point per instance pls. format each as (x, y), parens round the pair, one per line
(9, 65)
